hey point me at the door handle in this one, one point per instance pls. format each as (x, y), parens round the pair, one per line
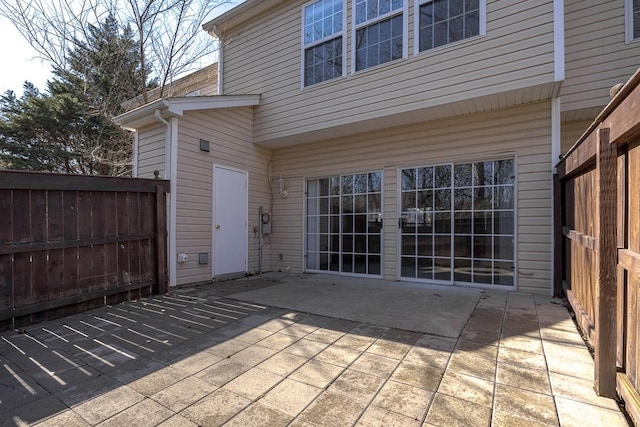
(217, 226)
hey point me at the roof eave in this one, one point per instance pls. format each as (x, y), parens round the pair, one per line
(243, 12)
(176, 107)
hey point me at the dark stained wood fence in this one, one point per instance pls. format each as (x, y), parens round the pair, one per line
(71, 243)
(597, 265)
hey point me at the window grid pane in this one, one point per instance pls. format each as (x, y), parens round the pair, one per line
(447, 21)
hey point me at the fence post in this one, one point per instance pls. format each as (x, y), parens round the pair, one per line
(605, 310)
(161, 241)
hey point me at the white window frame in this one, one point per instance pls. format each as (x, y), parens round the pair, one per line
(304, 47)
(404, 10)
(628, 22)
(416, 27)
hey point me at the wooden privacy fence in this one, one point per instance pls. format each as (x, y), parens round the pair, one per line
(70, 243)
(597, 228)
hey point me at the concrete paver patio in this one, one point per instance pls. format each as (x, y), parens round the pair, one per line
(201, 356)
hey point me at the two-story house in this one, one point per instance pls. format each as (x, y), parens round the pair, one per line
(398, 139)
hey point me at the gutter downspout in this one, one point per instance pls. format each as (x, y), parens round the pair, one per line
(556, 110)
(216, 31)
(170, 172)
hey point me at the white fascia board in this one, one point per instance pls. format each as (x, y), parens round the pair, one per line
(177, 106)
(241, 13)
(143, 116)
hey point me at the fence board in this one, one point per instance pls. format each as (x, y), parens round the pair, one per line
(71, 243)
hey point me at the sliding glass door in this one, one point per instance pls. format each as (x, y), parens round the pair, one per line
(457, 223)
(344, 224)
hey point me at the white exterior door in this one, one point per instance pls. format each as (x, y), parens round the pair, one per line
(230, 210)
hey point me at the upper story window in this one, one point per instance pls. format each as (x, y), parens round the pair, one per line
(379, 32)
(632, 20)
(440, 22)
(323, 23)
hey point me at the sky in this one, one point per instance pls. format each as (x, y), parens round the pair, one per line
(19, 62)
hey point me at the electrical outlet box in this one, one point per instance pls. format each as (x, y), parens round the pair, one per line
(203, 258)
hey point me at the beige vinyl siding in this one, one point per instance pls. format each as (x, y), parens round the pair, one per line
(229, 133)
(523, 132)
(264, 57)
(596, 54)
(571, 131)
(151, 151)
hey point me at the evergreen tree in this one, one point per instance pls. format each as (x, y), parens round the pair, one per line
(69, 128)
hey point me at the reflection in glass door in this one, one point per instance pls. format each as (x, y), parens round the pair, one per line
(457, 223)
(344, 224)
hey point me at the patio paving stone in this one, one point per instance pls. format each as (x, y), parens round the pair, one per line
(524, 404)
(373, 364)
(158, 380)
(283, 363)
(523, 377)
(278, 341)
(228, 347)
(357, 385)
(299, 330)
(467, 363)
(428, 356)
(578, 414)
(522, 358)
(177, 421)
(183, 393)
(147, 413)
(468, 388)
(216, 408)
(332, 409)
(487, 351)
(306, 348)
(108, 404)
(449, 411)
(355, 341)
(522, 342)
(387, 348)
(197, 362)
(325, 335)
(578, 389)
(404, 399)
(291, 397)
(341, 356)
(425, 377)
(316, 373)
(258, 415)
(253, 383)
(67, 418)
(378, 417)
